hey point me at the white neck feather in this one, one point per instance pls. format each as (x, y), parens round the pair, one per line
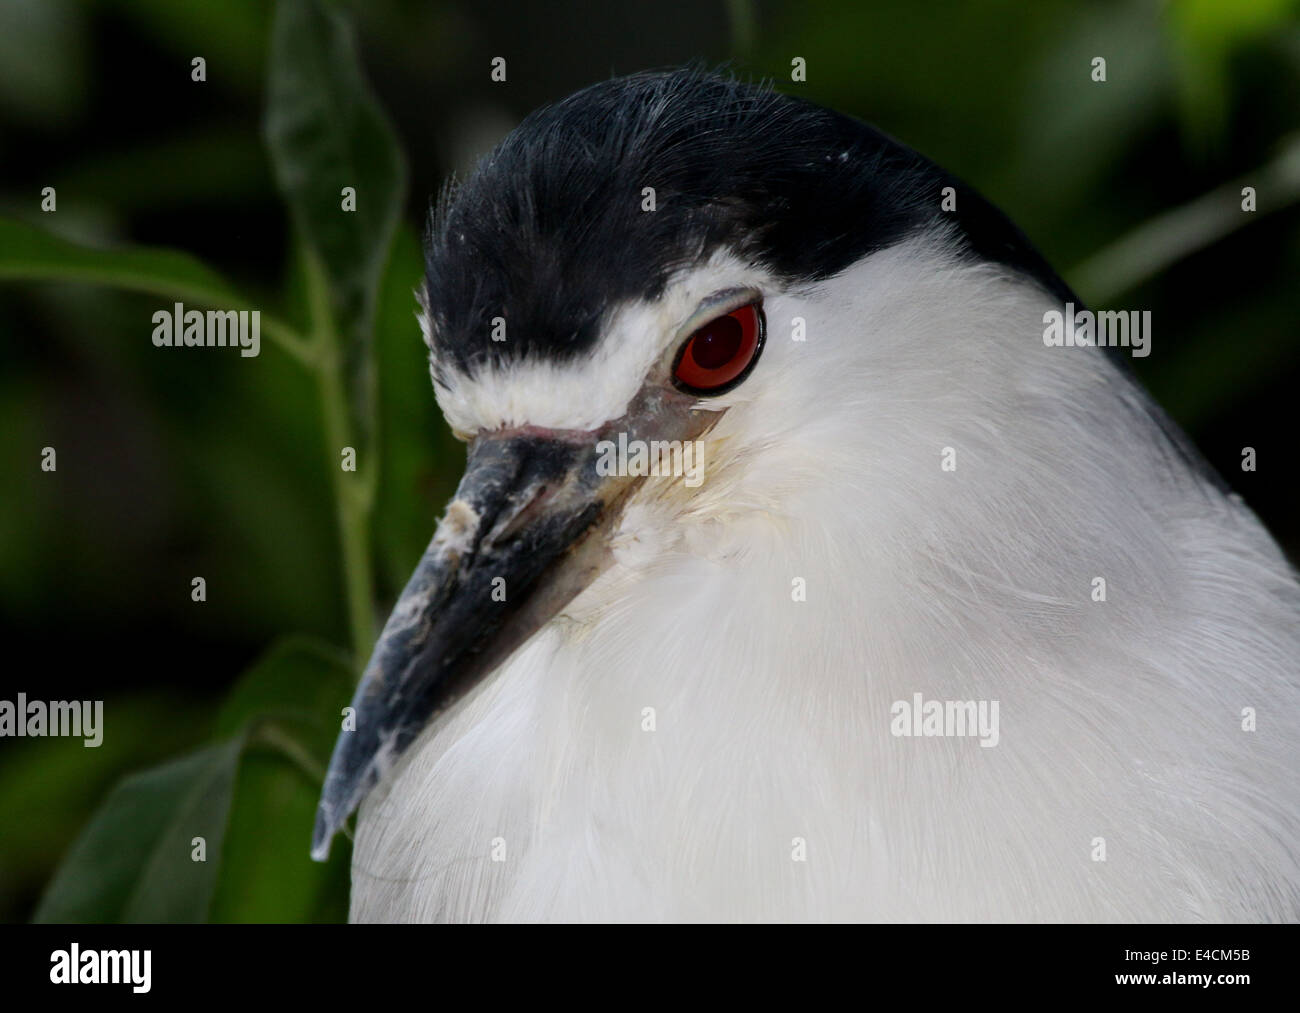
(1119, 719)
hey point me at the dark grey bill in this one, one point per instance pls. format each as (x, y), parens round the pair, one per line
(517, 526)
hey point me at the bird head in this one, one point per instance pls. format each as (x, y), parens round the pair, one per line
(675, 260)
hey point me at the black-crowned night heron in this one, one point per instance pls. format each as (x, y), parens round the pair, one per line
(951, 624)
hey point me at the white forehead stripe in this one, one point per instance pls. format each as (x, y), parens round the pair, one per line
(592, 389)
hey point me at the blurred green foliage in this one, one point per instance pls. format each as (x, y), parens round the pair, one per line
(157, 848)
(210, 464)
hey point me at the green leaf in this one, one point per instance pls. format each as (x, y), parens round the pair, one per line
(325, 131)
(288, 706)
(49, 786)
(133, 862)
(267, 874)
(31, 254)
(252, 797)
(301, 685)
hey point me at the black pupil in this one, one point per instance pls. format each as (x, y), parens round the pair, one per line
(716, 344)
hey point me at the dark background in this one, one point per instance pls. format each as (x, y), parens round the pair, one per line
(176, 465)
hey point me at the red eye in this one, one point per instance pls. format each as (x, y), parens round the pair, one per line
(718, 355)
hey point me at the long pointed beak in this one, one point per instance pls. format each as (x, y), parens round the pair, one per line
(515, 546)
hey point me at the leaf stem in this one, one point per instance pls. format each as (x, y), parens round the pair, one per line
(270, 734)
(352, 501)
(117, 270)
(1162, 241)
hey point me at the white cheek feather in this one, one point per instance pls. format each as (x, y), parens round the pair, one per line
(546, 796)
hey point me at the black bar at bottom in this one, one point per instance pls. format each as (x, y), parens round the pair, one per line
(391, 965)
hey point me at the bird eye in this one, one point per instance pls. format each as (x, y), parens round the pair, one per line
(719, 355)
